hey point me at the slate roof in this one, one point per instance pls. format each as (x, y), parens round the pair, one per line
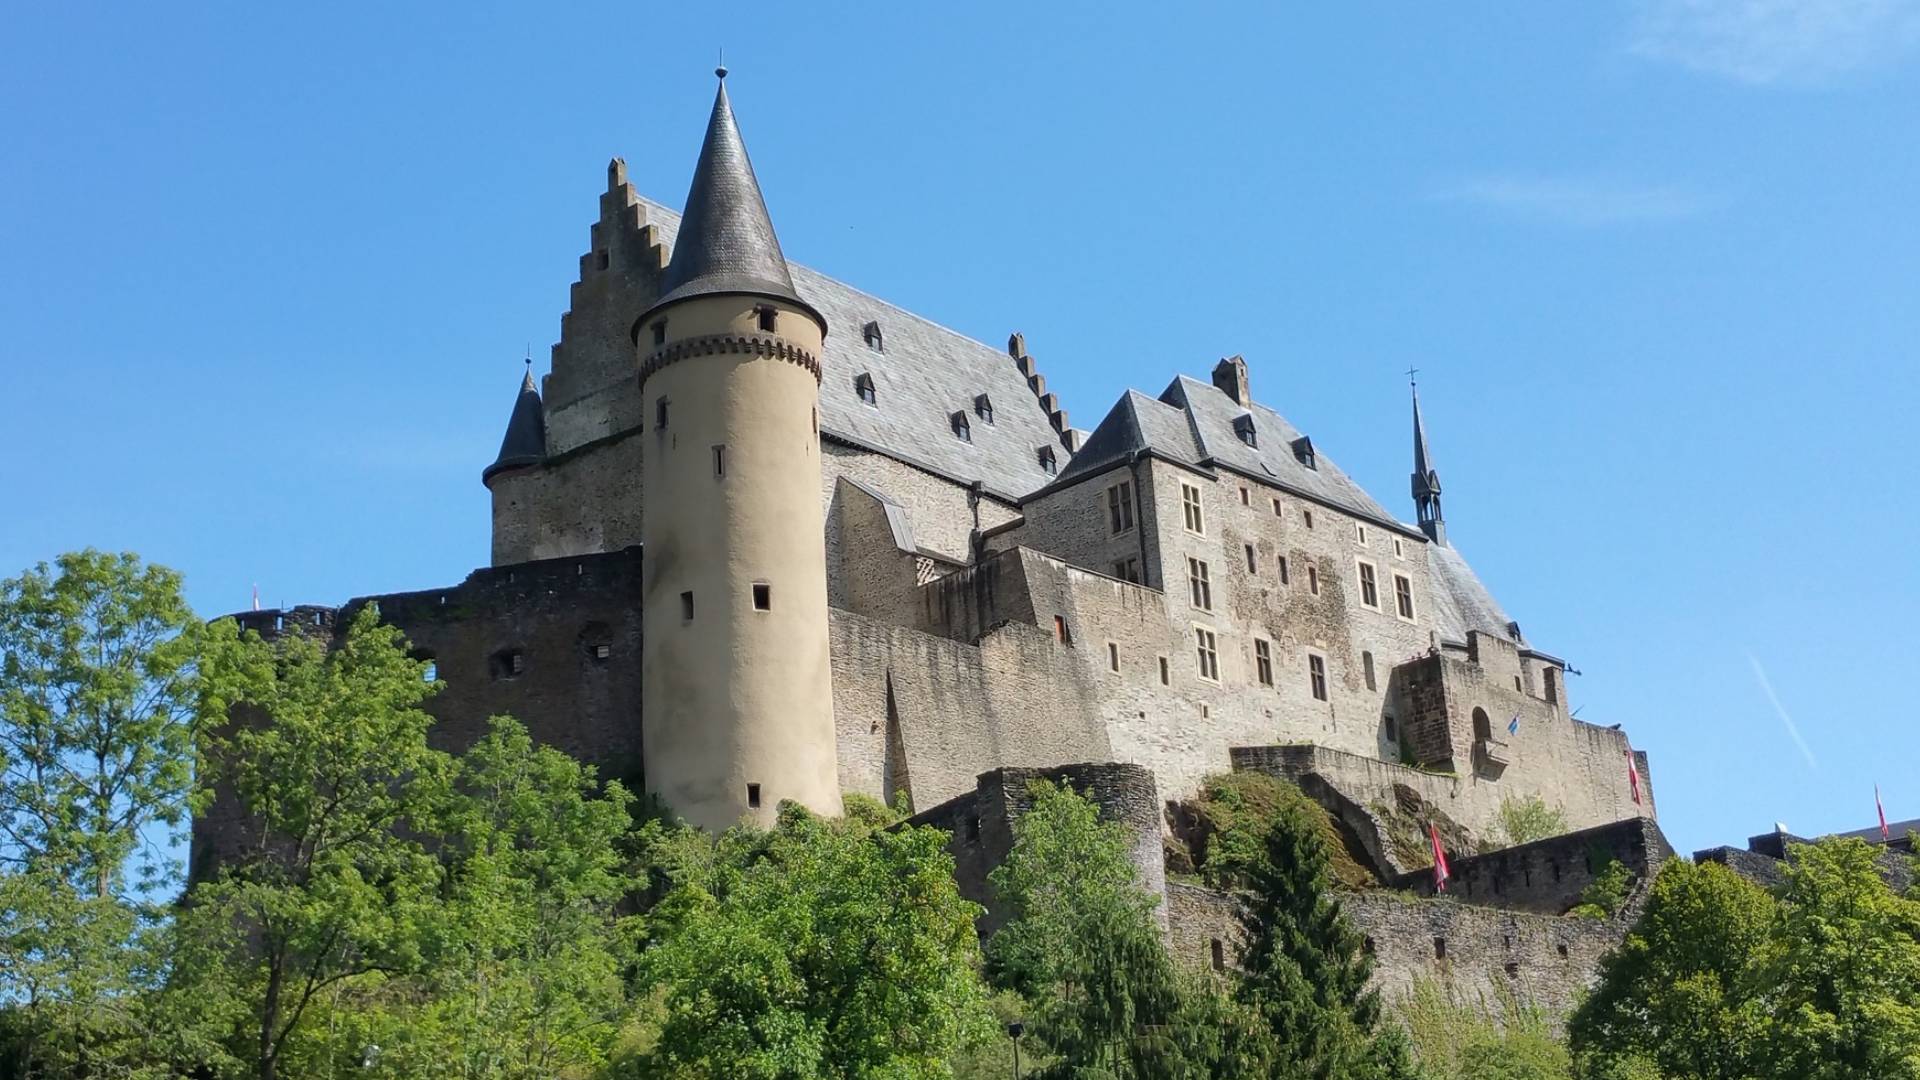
(1212, 413)
(923, 373)
(1458, 601)
(1137, 423)
(526, 439)
(732, 247)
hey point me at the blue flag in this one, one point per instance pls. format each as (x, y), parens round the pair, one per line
(1513, 725)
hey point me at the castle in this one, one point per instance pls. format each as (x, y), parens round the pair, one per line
(760, 536)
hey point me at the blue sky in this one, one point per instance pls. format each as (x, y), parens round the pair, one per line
(266, 278)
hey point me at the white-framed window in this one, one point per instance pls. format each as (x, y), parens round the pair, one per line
(1403, 596)
(1120, 508)
(1317, 675)
(1190, 506)
(1207, 652)
(1263, 661)
(1200, 584)
(1360, 534)
(1369, 585)
(1399, 548)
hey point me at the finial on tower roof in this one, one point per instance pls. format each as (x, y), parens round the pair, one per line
(721, 70)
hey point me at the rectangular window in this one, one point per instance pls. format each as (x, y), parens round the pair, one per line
(1403, 595)
(660, 415)
(1113, 656)
(753, 796)
(1246, 497)
(1251, 568)
(1166, 673)
(762, 596)
(686, 605)
(1284, 578)
(1317, 675)
(1399, 550)
(1360, 533)
(1276, 508)
(1263, 661)
(720, 461)
(1366, 666)
(1369, 586)
(1219, 950)
(766, 318)
(1199, 585)
(1060, 631)
(1119, 508)
(1206, 645)
(1307, 516)
(1127, 570)
(1190, 504)
(1313, 580)
(660, 332)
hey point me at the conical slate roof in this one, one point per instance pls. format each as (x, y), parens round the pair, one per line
(726, 242)
(1426, 481)
(526, 440)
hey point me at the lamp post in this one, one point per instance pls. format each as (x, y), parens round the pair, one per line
(1014, 1031)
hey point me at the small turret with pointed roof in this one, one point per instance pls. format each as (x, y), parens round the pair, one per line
(726, 243)
(1426, 480)
(526, 439)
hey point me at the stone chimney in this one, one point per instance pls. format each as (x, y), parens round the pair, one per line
(1231, 375)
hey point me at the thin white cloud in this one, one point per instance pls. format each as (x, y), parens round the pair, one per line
(1578, 201)
(1776, 41)
(1766, 687)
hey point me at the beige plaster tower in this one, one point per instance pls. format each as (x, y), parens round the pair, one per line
(736, 692)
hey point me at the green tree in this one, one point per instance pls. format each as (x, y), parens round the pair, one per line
(1607, 893)
(1674, 996)
(1528, 818)
(1505, 1039)
(816, 948)
(1304, 971)
(1842, 982)
(325, 752)
(97, 675)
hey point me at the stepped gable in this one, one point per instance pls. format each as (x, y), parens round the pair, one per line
(922, 374)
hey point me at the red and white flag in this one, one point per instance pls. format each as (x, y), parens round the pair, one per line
(1440, 872)
(1881, 809)
(1633, 777)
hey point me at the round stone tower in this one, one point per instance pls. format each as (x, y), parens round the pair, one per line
(736, 693)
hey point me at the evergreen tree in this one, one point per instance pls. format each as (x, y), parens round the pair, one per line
(1304, 966)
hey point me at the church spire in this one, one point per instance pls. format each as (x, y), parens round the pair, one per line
(726, 243)
(1426, 479)
(526, 439)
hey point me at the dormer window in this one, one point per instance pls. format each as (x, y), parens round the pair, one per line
(1243, 427)
(863, 385)
(1303, 452)
(871, 334)
(1047, 463)
(961, 429)
(983, 408)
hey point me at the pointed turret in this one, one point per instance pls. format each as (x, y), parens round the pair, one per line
(526, 439)
(1426, 481)
(726, 243)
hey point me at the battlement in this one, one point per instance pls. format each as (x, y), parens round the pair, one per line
(1548, 876)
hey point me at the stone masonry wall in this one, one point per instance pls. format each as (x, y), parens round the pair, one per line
(586, 501)
(1548, 876)
(1546, 961)
(981, 823)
